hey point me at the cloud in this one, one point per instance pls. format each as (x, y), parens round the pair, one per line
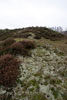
(22, 13)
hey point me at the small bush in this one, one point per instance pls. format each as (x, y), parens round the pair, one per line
(18, 49)
(8, 70)
(28, 44)
(8, 42)
(2, 50)
(5, 45)
(38, 36)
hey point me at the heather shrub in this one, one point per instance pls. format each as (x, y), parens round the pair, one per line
(37, 36)
(9, 70)
(5, 45)
(28, 44)
(2, 50)
(8, 42)
(18, 49)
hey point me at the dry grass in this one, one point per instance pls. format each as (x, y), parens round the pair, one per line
(61, 44)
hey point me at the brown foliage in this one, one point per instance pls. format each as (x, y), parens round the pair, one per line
(18, 49)
(5, 45)
(8, 70)
(28, 44)
(8, 42)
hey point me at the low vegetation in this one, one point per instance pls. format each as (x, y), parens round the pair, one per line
(18, 49)
(9, 70)
(27, 74)
(8, 42)
(39, 32)
(28, 44)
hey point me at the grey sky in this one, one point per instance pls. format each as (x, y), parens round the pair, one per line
(24, 13)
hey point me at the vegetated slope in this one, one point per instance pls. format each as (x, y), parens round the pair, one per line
(26, 32)
(42, 73)
(4, 34)
(42, 76)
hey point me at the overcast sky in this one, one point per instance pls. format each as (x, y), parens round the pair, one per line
(24, 13)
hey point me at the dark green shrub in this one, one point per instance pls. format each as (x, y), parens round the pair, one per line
(9, 70)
